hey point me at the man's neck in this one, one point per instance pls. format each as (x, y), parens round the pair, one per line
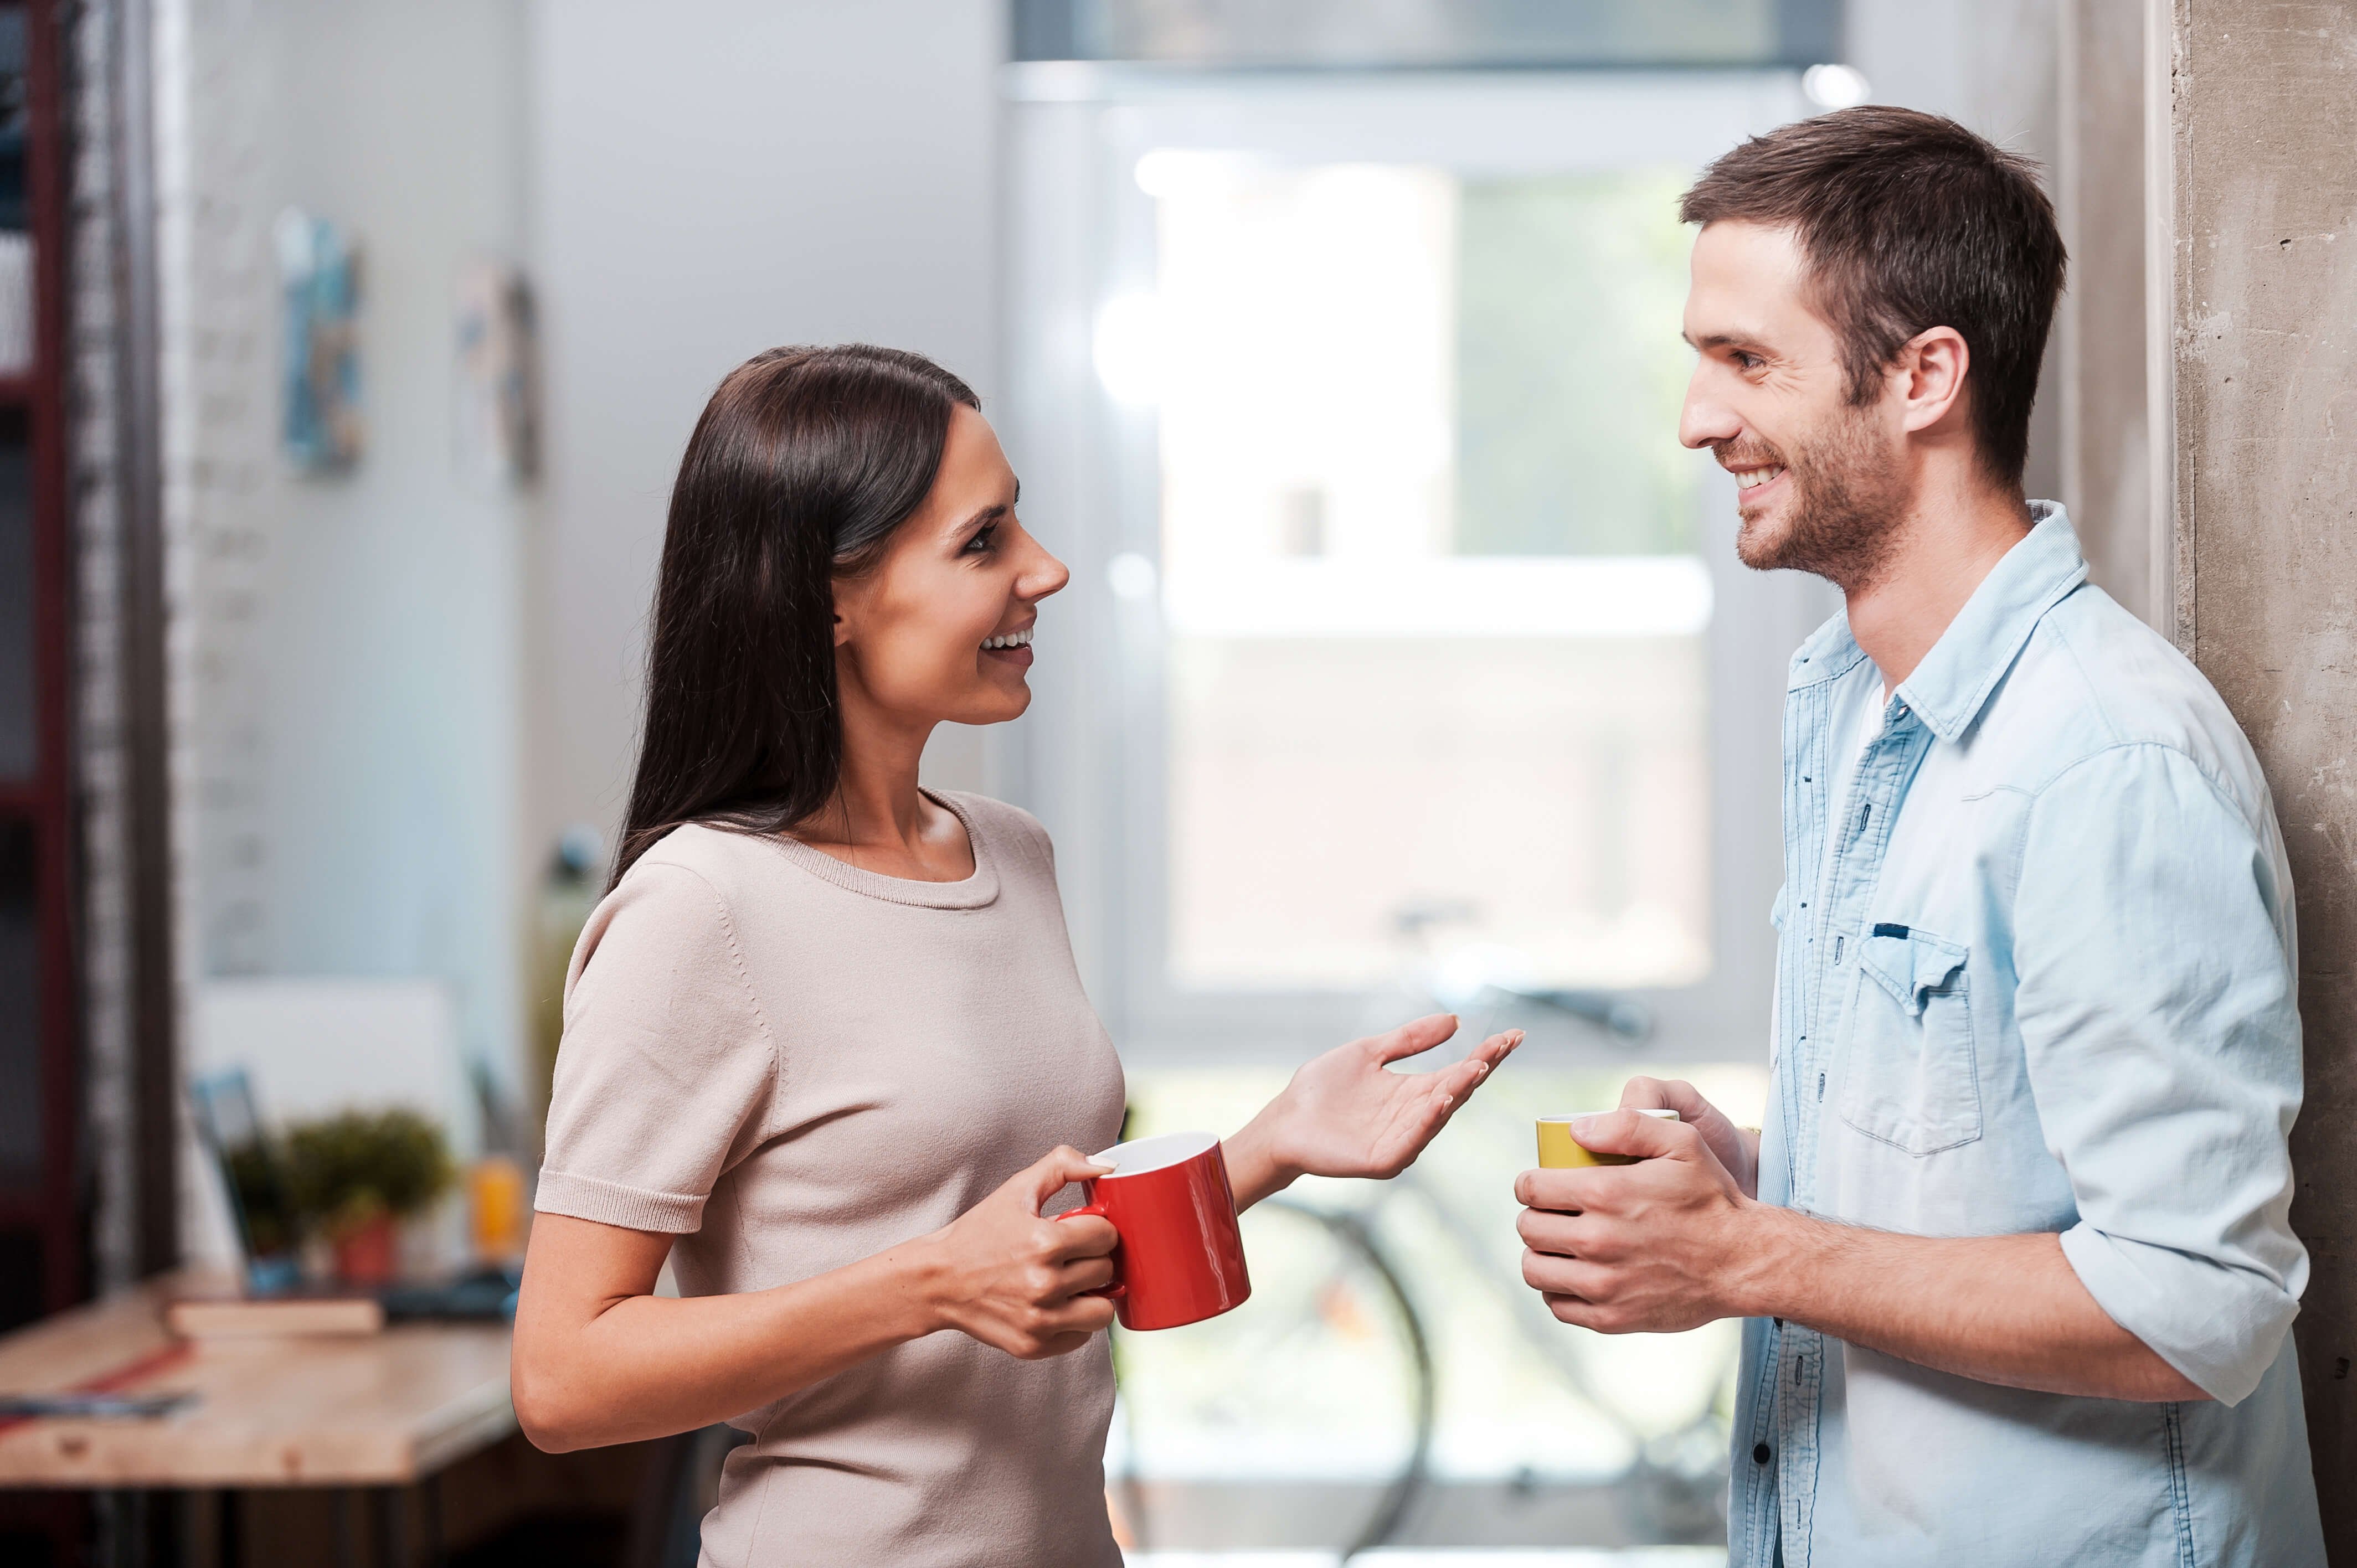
(1946, 546)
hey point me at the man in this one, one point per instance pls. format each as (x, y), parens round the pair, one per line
(2014, 1244)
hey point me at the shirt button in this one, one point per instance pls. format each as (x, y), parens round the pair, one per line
(1761, 1454)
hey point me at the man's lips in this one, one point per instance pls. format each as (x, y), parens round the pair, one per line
(1755, 485)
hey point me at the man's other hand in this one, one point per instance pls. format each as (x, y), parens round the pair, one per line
(1651, 1248)
(1737, 1148)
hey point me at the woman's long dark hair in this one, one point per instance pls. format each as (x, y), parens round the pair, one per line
(804, 462)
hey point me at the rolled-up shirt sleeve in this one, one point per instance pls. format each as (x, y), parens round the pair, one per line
(667, 1070)
(2156, 1003)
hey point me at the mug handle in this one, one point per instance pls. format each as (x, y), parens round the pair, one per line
(1116, 1289)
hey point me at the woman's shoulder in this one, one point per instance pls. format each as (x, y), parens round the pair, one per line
(673, 912)
(990, 812)
(700, 862)
(1002, 823)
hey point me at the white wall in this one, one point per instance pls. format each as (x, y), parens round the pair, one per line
(714, 177)
(1990, 65)
(393, 686)
(1987, 63)
(352, 643)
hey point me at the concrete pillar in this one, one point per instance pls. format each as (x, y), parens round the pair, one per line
(2262, 307)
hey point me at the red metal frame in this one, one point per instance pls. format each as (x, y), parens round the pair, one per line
(56, 1209)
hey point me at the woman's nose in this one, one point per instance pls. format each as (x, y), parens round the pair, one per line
(1044, 575)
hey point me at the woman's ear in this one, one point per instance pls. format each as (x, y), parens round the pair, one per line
(844, 612)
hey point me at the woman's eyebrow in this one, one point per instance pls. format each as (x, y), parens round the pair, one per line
(982, 520)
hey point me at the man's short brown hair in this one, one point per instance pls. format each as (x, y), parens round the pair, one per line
(1907, 222)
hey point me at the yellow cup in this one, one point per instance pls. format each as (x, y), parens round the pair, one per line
(1559, 1151)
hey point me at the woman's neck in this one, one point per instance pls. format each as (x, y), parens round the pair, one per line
(878, 819)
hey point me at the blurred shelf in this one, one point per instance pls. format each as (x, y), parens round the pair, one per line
(19, 796)
(18, 391)
(22, 1207)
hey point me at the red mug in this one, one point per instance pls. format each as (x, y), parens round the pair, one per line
(1181, 1258)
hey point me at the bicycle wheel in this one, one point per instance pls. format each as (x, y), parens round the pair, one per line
(1322, 1376)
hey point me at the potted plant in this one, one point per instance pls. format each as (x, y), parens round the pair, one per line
(354, 1176)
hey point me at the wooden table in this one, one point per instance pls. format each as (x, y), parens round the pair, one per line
(381, 1411)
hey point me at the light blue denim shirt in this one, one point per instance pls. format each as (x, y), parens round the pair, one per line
(2035, 974)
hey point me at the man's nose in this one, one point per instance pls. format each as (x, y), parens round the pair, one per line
(1706, 419)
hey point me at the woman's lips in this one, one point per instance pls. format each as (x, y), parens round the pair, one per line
(1019, 657)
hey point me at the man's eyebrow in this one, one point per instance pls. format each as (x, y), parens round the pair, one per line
(1720, 340)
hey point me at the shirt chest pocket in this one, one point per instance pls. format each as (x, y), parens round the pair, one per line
(1912, 1079)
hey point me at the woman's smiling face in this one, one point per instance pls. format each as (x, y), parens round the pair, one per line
(940, 631)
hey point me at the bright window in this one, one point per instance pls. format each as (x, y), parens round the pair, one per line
(1436, 626)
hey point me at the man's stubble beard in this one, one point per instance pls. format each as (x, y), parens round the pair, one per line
(1848, 498)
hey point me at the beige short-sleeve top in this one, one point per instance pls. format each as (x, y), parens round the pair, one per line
(793, 1064)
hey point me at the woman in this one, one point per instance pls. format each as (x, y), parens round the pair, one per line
(825, 1044)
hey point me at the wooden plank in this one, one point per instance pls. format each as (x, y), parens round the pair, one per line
(275, 1319)
(385, 1409)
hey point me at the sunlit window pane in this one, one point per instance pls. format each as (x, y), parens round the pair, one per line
(1434, 669)
(1569, 375)
(1331, 796)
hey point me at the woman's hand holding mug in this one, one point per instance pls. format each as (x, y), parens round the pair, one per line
(1003, 1275)
(1009, 1278)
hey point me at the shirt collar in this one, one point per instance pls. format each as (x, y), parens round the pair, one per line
(1952, 683)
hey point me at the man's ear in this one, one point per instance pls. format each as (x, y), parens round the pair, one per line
(1929, 371)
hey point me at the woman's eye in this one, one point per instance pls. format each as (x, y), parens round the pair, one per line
(984, 541)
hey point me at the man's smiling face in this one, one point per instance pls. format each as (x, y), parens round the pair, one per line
(1820, 484)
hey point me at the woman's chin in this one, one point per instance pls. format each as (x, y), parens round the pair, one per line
(1003, 702)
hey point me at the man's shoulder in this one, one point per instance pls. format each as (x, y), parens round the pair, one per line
(2092, 680)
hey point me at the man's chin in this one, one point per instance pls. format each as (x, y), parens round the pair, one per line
(1760, 540)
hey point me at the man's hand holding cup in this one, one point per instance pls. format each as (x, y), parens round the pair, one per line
(1655, 1245)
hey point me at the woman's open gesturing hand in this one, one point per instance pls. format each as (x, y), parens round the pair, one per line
(1012, 1279)
(1348, 1114)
